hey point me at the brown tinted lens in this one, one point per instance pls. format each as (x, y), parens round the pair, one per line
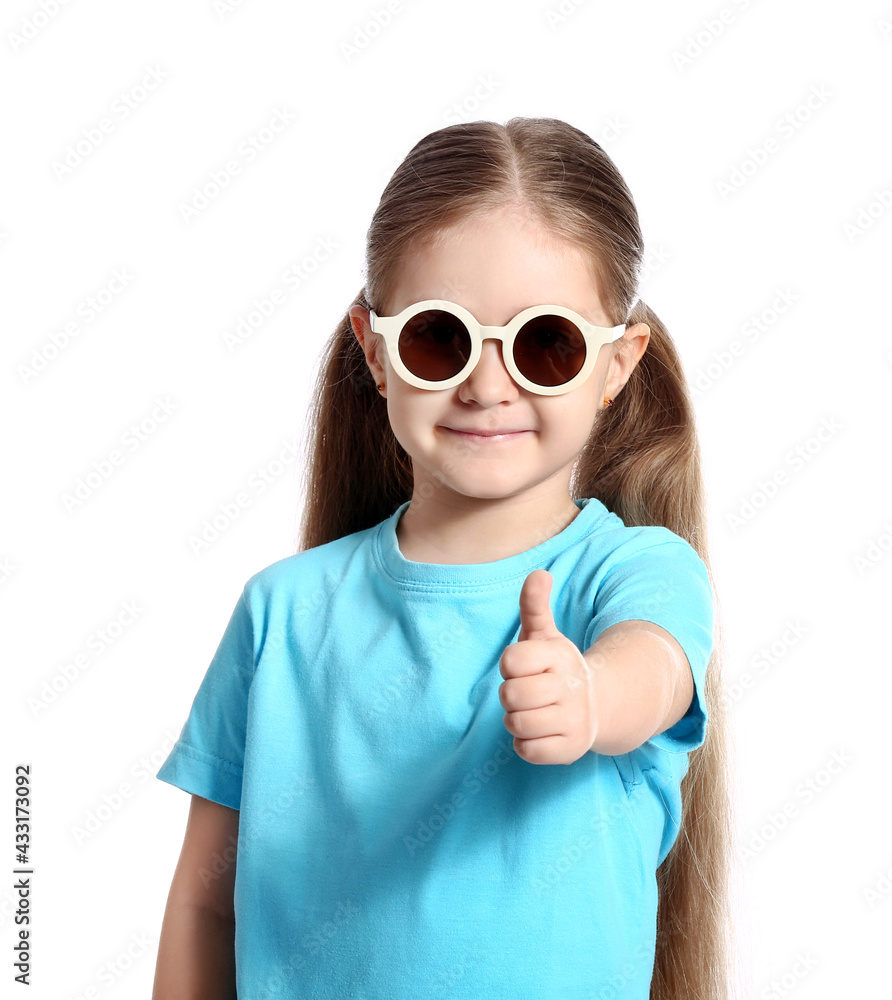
(549, 350)
(434, 345)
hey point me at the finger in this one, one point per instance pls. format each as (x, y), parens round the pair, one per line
(534, 656)
(536, 723)
(546, 750)
(523, 693)
(536, 619)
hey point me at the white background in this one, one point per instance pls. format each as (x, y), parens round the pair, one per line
(685, 103)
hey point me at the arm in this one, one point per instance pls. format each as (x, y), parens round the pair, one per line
(643, 684)
(196, 953)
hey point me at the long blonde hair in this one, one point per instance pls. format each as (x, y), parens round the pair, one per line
(642, 459)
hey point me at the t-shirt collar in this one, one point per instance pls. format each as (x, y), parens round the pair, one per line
(460, 575)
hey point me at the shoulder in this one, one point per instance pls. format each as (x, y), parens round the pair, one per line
(323, 566)
(621, 542)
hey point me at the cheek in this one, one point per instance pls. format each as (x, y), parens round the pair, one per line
(570, 424)
(412, 418)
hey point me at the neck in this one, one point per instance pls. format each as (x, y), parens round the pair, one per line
(465, 530)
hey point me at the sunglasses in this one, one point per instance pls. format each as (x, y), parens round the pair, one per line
(548, 350)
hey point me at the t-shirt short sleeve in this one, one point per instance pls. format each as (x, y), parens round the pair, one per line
(664, 581)
(208, 758)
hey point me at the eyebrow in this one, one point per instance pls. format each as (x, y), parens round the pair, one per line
(586, 315)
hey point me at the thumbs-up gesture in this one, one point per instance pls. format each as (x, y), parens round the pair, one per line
(548, 693)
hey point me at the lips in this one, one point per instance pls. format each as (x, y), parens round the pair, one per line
(481, 433)
(489, 435)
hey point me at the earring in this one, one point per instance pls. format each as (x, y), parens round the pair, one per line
(608, 401)
(380, 386)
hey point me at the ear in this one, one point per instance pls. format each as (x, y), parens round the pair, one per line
(627, 353)
(370, 342)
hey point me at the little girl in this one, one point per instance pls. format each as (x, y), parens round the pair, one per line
(457, 746)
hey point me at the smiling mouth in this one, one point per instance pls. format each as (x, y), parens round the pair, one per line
(488, 436)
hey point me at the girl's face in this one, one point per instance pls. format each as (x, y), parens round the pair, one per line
(496, 265)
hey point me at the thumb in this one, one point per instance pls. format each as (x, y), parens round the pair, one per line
(536, 619)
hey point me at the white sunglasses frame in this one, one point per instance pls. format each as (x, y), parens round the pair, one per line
(390, 327)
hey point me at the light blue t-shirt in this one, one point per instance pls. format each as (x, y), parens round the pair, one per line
(392, 845)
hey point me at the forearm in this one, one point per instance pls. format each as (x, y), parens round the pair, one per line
(642, 685)
(196, 955)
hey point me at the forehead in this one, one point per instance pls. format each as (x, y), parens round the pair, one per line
(496, 264)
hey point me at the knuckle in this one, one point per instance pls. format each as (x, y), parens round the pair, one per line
(506, 691)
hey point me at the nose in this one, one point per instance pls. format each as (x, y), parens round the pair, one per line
(490, 381)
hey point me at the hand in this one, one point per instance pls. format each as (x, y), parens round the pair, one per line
(548, 693)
